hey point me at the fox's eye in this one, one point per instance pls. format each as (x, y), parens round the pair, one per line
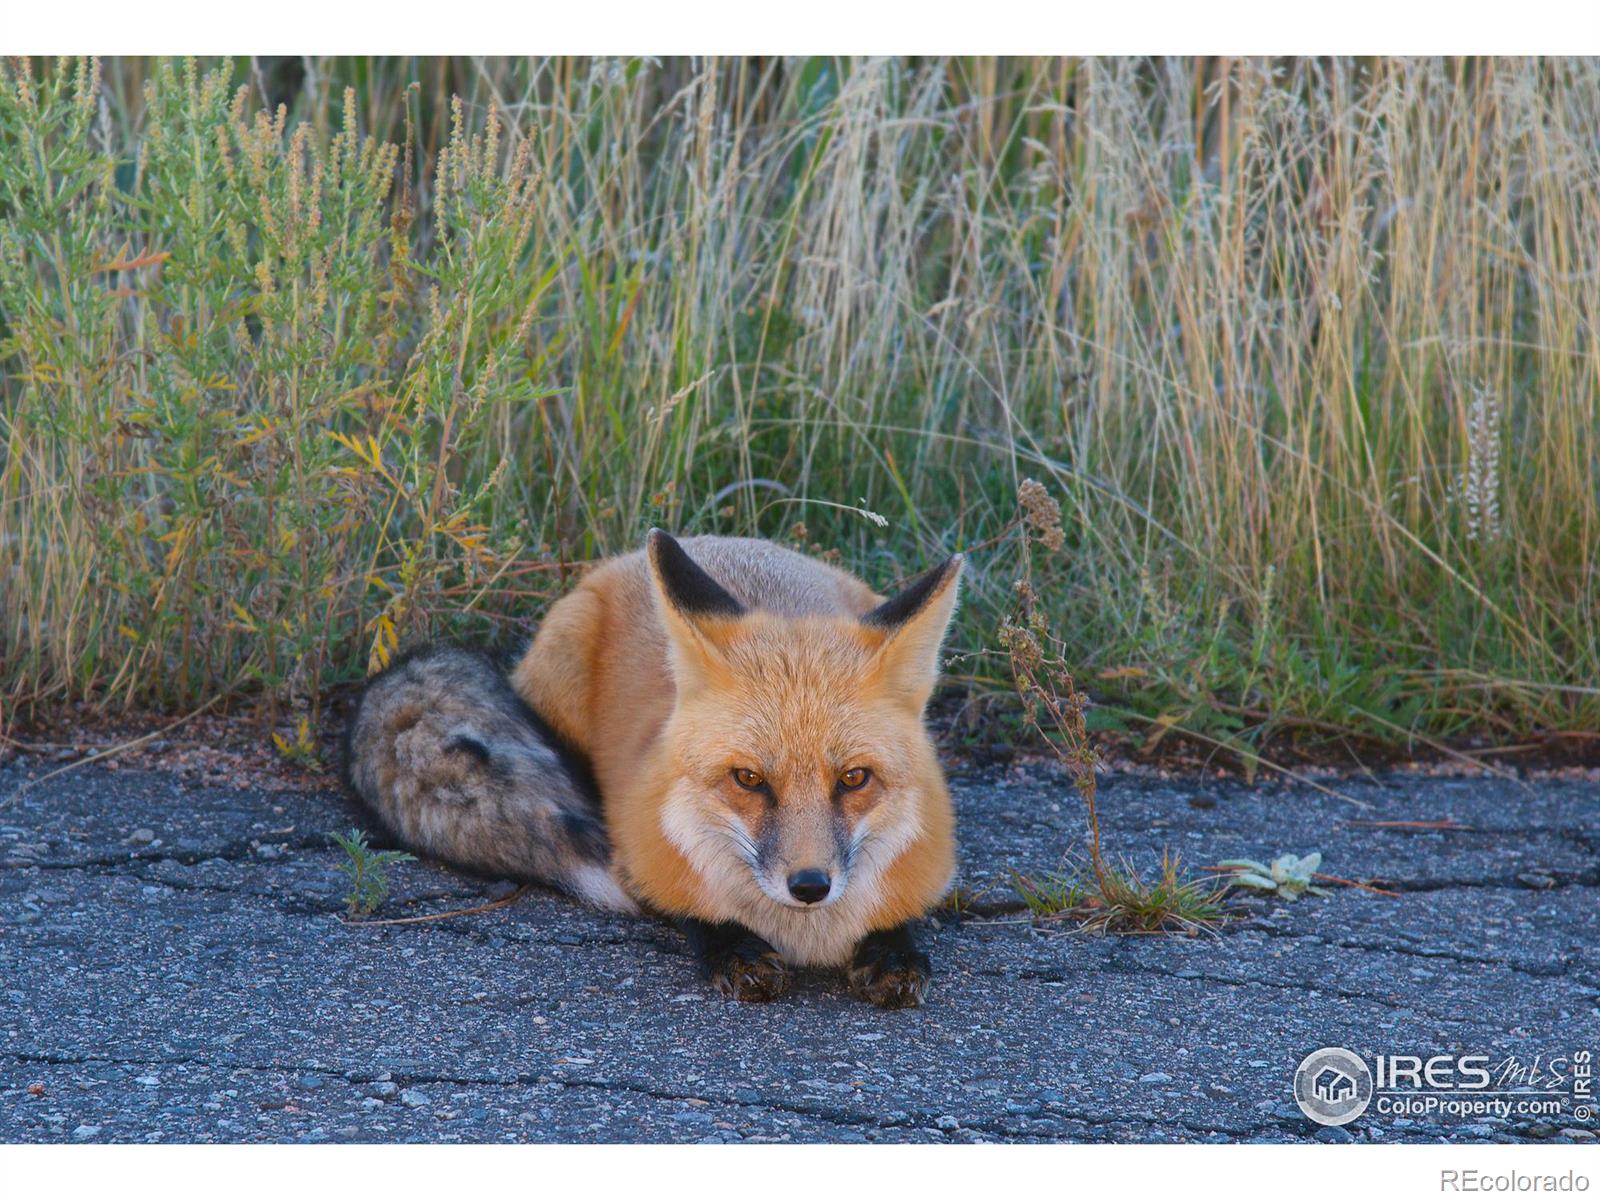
(750, 781)
(854, 778)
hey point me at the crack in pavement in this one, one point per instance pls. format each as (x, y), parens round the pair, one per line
(1121, 966)
(1385, 1000)
(519, 1079)
(235, 851)
(1533, 971)
(920, 1120)
(1558, 881)
(271, 887)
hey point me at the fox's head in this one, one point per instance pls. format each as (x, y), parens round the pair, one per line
(800, 765)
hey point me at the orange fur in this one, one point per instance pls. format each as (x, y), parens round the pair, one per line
(668, 703)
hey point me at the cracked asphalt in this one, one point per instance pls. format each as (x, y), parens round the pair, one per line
(173, 968)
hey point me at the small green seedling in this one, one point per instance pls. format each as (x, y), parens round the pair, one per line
(1289, 876)
(368, 870)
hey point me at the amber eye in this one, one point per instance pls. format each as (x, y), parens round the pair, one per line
(750, 781)
(854, 778)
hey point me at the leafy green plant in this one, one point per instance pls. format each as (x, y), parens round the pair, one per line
(1289, 876)
(368, 872)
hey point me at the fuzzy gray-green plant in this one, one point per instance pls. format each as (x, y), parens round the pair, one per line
(1289, 876)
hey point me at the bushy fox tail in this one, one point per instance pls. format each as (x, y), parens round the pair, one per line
(454, 764)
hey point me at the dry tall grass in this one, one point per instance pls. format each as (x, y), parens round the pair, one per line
(1307, 350)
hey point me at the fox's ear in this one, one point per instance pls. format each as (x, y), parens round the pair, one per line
(915, 619)
(695, 608)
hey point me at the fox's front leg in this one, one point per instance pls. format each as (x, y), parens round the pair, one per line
(739, 964)
(889, 970)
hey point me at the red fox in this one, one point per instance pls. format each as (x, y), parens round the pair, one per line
(752, 719)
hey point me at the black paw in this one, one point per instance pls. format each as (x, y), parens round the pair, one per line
(890, 971)
(739, 964)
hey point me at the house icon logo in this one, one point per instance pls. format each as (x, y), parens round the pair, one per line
(1332, 1086)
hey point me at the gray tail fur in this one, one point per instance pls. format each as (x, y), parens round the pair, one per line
(456, 766)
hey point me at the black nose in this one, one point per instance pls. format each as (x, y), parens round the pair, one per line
(809, 886)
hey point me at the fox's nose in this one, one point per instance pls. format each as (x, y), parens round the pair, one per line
(809, 886)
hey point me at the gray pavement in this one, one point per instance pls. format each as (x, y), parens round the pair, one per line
(173, 968)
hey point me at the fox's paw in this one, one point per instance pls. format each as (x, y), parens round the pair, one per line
(750, 971)
(893, 984)
(739, 964)
(890, 971)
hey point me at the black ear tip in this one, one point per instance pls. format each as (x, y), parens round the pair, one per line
(686, 583)
(910, 599)
(664, 550)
